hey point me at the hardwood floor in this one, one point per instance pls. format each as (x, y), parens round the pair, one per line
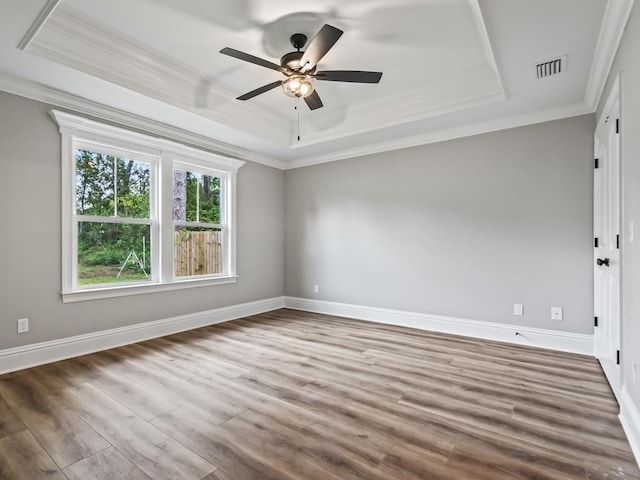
(298, 396)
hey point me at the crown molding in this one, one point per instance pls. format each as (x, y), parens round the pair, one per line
(37, 24)
(615, 19)
(478, 18)
(69, 40)
(412, 105)
(493, 125)
(60, 99)
(396, 115)
(394, 111)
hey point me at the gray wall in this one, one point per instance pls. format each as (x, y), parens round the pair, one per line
(628, 62)
(464, 228)
(30, 240)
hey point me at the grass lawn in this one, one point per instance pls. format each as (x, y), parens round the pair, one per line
(96, 274)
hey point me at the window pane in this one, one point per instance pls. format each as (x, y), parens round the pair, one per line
(94, 184)
(196, 197)
(108, 186)
(113, 253)
(133, 188)
(197, 251)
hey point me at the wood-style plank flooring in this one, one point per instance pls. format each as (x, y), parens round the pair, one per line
(298, 396)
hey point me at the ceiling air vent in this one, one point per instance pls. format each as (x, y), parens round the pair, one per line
(551, 67)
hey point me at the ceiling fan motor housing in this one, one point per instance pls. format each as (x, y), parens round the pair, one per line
(291, 60)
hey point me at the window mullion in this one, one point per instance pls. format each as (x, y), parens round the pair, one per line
(119, 220)
(154, 211)
(115, 186)
(198, 179)
(165, 219)
(178, 223)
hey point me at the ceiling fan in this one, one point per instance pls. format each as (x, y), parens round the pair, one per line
(299, 67)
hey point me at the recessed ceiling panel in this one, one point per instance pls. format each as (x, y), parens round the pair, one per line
(435, 57)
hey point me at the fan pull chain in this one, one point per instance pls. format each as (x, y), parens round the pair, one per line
(298, 112)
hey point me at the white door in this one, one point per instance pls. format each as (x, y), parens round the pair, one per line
(607, 242)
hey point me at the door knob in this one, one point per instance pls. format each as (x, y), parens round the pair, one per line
(603, 261)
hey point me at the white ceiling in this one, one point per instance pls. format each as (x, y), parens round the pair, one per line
(450, 67)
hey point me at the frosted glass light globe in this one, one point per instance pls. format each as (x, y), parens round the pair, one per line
(297, 86)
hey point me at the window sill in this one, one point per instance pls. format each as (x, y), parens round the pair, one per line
(126, 290)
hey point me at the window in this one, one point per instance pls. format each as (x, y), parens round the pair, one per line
(142, 214)
(196, 220)
(113, 217)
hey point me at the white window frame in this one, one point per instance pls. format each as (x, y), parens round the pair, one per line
(163, 156)
(152, 220)
(224, 211)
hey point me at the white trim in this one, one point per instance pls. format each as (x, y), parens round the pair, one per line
(462, 131)
(18, 358)
(38, 23)
(143, 144)
(124, 290)
(630, 419)
(86, 46)
(534, 337)
(58, 98)
(612, 99)
(478, 18)
(392, 116)
(34, 91)
(118, 220)
(162, 154)
(615, 19)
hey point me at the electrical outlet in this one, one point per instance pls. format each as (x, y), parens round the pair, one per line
(556, 313)
(518, 309)
(316, 289)
(23, 325)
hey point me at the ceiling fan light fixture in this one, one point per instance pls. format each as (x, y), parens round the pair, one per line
(299, 67)
(298, 86)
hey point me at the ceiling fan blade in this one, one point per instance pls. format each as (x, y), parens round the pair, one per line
(313, 101)
(232, 52)
(258, 91)
(320, 45)
(355, 76)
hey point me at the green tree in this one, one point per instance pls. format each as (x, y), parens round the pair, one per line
(109, 186)
(203, 198)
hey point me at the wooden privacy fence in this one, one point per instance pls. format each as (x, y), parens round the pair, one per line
(197, 253)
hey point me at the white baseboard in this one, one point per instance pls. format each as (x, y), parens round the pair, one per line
(535, 337)
(630, 419)
(18, 358)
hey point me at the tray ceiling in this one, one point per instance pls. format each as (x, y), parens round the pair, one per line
(448, 65)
